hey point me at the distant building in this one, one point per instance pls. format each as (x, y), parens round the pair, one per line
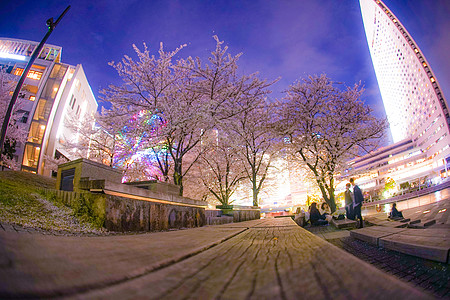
(415, 107)
(414, 103)
(52, 92)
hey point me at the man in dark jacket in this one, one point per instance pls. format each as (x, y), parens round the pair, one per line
(359, 198)
(349, 202)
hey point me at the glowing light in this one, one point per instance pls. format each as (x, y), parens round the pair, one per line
(13, 56)
(442, 210)
(426, 211)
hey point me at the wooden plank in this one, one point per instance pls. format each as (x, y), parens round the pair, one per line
(346, 223)
(374, 233)
(428, 247)
(265, 262)
(66, 264)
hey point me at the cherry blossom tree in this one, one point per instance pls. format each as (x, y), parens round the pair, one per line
(93, 137)
(221, 169)
(254, 141)
(52, 162)
(15, 134)
(327, 126)
(188, 97)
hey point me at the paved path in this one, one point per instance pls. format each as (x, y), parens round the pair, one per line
(261, 259)
(431, 276)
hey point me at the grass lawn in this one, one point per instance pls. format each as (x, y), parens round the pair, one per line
(23, 204)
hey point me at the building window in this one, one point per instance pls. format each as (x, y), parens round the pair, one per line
(71, 101)
(36, 75)
(36, 133)
(25, 117)
(18, 71)
(31, 156)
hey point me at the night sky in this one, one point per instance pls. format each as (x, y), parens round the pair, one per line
(287, 39)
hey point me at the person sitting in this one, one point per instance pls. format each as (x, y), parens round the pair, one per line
(394, 212)
(315, 217)
(324, 209)
(300, 217)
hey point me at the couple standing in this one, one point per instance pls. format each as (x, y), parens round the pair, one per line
(353, 202)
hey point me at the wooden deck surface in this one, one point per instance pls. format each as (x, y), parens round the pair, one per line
(274, 259)
(261, 259)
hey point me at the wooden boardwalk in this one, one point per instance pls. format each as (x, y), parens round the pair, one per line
(261, 259)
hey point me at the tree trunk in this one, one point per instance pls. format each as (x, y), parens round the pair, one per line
(328, 195)
(255, 197)
(178, 175)
(255, 190)
(332, 200)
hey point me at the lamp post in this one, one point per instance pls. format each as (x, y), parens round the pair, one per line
(51, 25)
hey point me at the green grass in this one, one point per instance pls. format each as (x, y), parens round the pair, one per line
(17, 187)
(23, 202)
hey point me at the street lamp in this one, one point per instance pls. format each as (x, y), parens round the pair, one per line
(51, 25)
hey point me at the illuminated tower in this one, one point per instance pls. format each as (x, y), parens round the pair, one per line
(414, 103)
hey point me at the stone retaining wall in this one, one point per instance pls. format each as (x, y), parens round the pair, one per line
(241, 215)
(124, 214)
(216, 217)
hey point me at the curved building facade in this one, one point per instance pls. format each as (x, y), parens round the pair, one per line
(415, 106)
(413, 101)
(52, 92)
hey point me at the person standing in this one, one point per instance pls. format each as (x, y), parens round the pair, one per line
(349, 202)
(359, 198)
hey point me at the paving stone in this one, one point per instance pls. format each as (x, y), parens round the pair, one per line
(400, 265)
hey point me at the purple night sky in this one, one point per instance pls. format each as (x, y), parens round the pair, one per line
(287, 39)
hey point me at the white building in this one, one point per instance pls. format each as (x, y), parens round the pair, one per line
(414, 103)
(52, 91)
(415, 107)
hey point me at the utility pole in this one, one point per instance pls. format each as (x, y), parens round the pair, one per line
(51, 25)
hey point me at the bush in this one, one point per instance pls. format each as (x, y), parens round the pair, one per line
(87, 207)
(90, 208)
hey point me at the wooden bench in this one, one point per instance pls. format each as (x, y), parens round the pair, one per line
(385, 222)
(260, 259)
(433, 244)
(342, 224)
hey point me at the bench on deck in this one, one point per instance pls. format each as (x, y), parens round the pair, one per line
(259, 259)
(342, 224)
(394, 223)
(433, 244)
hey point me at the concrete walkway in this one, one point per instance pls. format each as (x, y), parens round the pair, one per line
(260, 259)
